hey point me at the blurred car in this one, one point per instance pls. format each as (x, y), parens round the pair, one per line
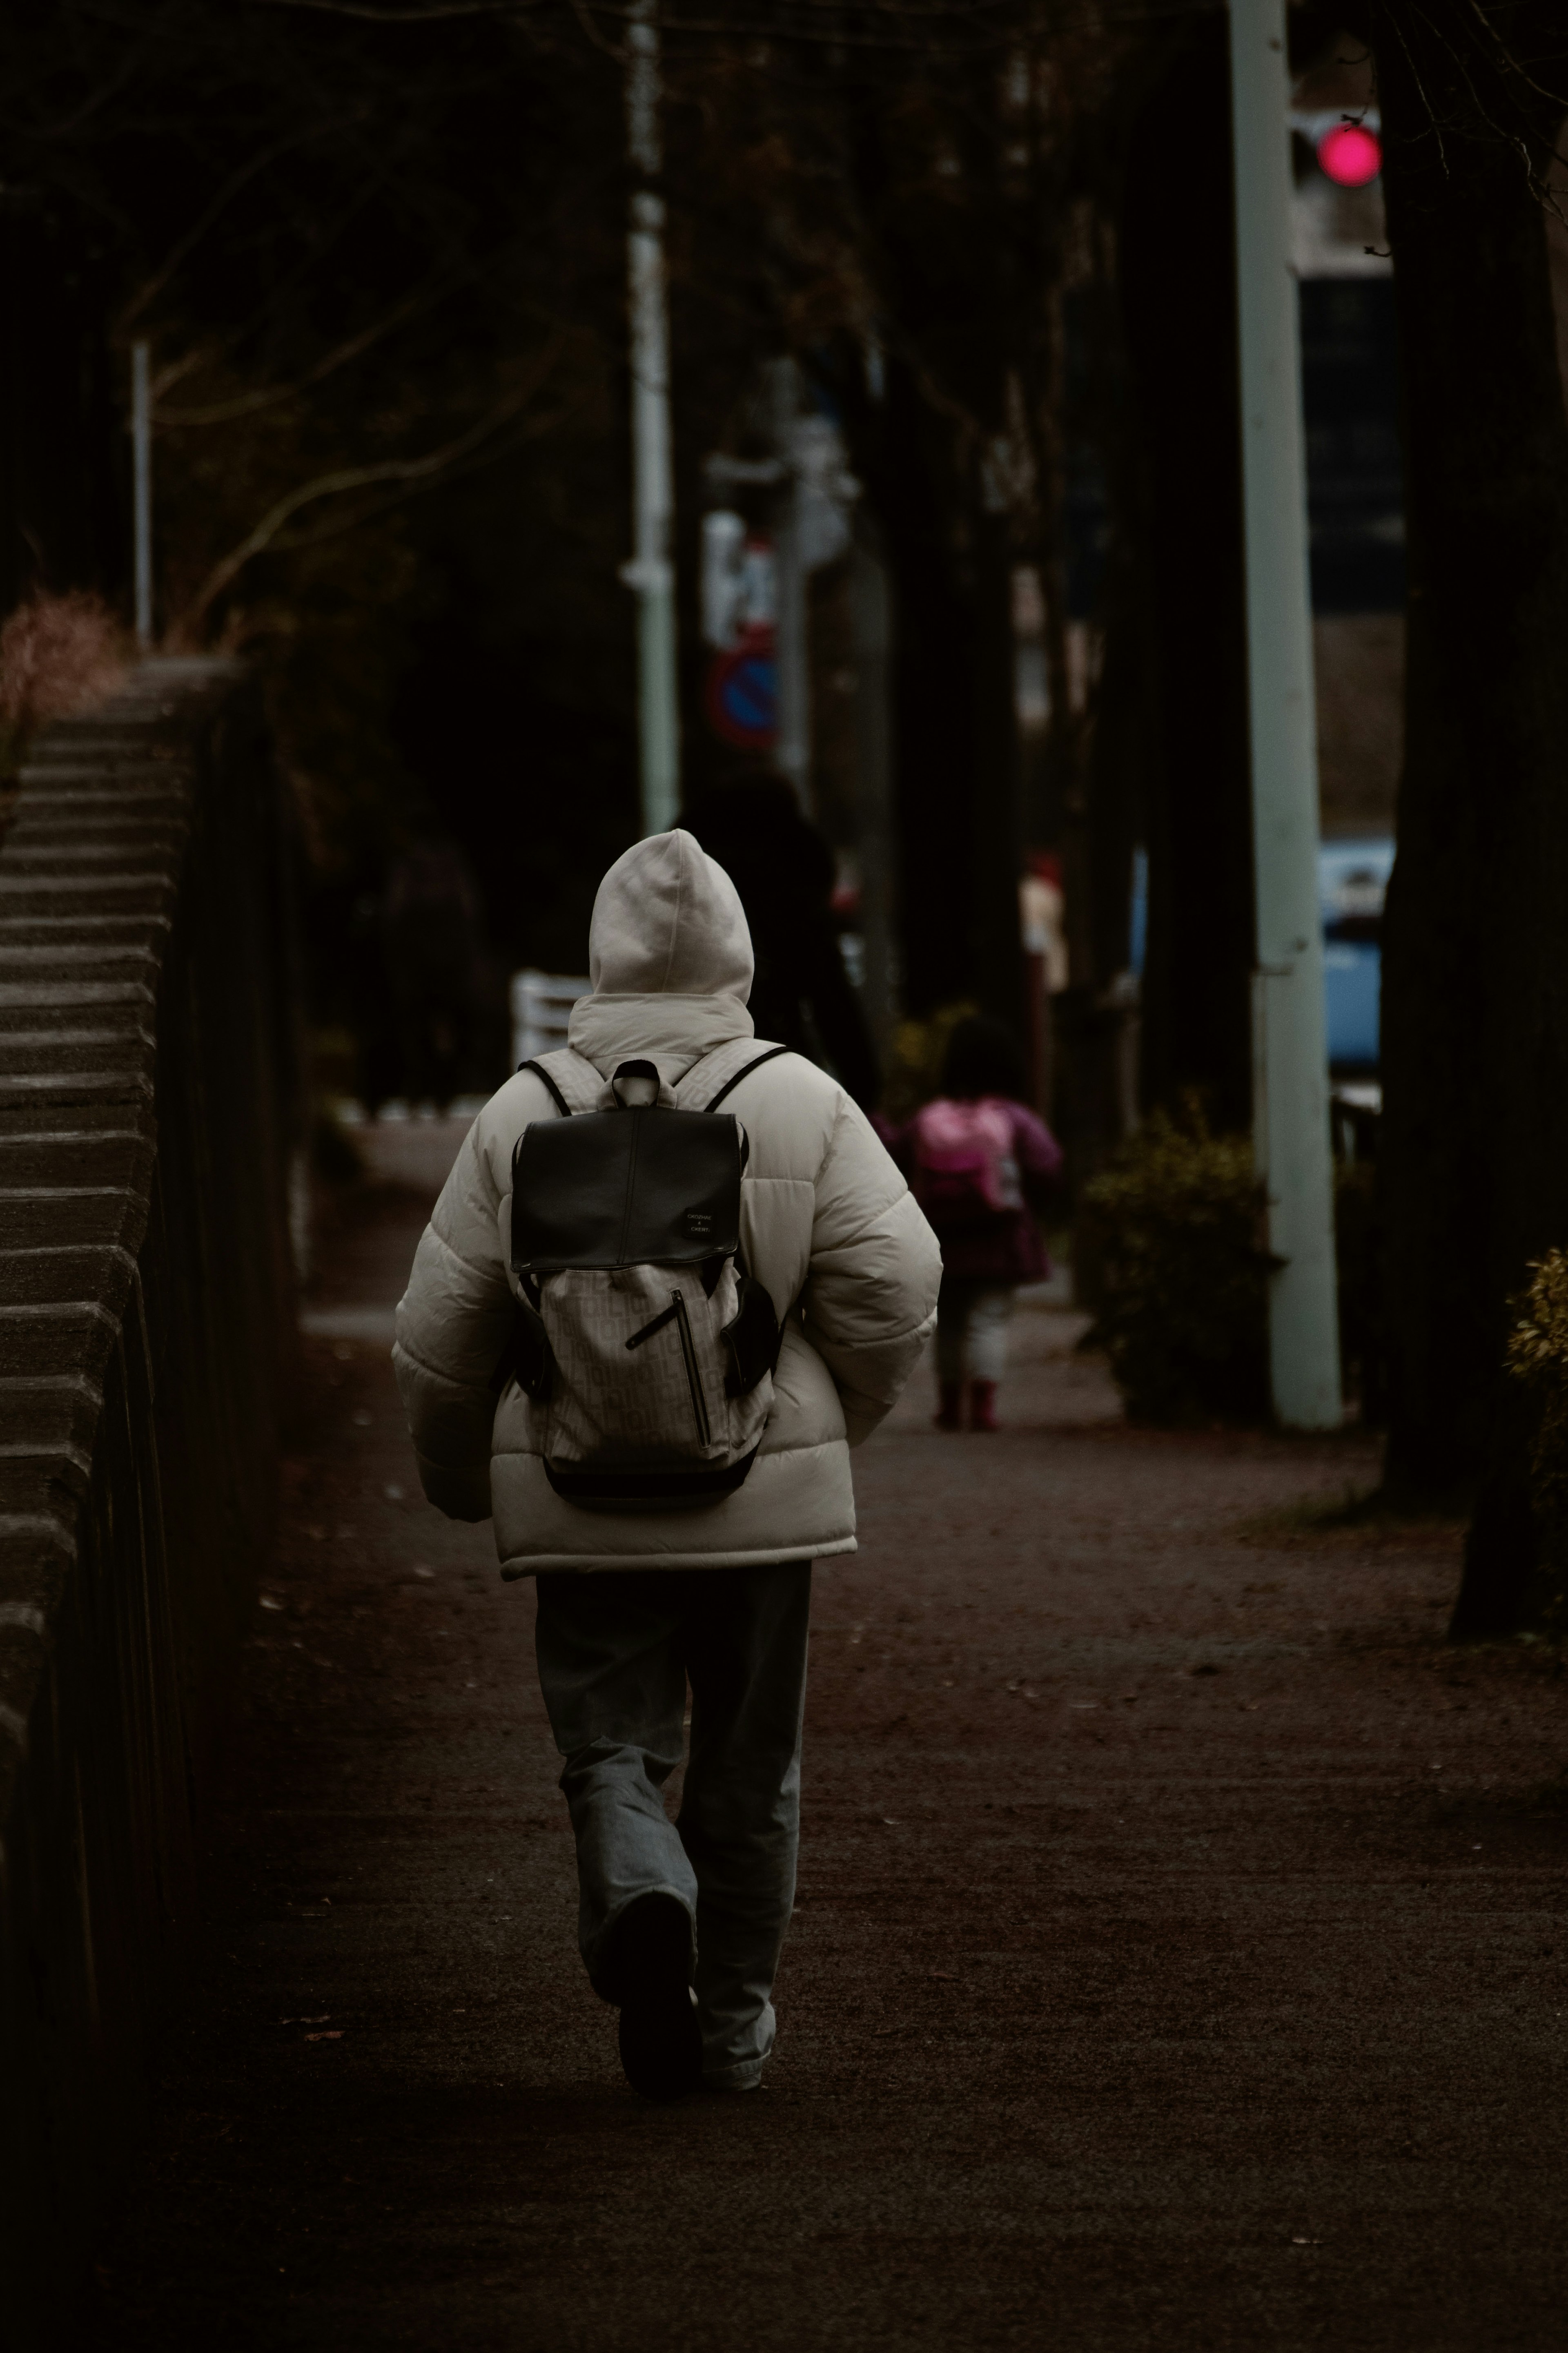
(1352, 880)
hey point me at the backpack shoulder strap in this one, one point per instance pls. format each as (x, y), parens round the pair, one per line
(561, 1105)
(770, 1054)
(572, 1084)
(721, 1070)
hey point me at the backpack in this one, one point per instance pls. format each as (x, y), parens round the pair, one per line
(646, 1348)
(964, 1167)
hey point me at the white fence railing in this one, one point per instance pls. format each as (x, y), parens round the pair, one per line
(542, 1005)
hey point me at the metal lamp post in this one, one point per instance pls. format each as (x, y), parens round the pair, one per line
(651, 572)
(1290, 1115)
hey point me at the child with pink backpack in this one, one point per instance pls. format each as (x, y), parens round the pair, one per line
(981, 1164)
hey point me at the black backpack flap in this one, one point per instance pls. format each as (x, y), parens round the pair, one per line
(636, 1188)
(686, 1188)
(569, 1179)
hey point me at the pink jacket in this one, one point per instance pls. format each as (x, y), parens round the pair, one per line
(1006, 1246)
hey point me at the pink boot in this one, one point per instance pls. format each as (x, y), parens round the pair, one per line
(983, 1405)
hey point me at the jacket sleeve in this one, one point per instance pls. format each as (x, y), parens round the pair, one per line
(452, 1324)
(870, 1296)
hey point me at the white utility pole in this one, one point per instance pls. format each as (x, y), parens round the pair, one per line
(651, 570)
(142, 491)
(1290, 1112)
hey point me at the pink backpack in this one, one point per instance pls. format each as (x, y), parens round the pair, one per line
(964, 1167)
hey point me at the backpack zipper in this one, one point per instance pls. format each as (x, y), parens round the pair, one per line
(693, 1377)
(676, 1313)
(649, 1329)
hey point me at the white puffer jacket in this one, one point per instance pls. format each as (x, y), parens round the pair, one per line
(827, 1223)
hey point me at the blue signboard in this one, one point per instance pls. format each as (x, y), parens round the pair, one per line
(742, 697)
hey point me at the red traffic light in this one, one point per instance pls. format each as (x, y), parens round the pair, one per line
(1351, 155)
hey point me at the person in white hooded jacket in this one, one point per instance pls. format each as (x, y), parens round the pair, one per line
(680, 1924)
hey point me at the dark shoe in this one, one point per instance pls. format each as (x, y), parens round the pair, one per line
(983, 1405)
(947, 1415)
(662, 2047)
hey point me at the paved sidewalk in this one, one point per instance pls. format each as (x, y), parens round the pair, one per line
(1181, 1957)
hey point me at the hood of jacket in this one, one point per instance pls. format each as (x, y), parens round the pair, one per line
(670, 956)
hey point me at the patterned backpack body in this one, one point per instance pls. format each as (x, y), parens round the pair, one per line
(965, 1165)
(644, 1345)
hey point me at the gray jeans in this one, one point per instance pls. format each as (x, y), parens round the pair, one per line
(615, 1651)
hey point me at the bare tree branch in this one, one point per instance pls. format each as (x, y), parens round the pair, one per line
(533, 428)
(193, 237)
(186, 244)
(355, 478)
(247, 404)
(199, 355)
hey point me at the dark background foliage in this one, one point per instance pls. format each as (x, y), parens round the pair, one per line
(358, 248)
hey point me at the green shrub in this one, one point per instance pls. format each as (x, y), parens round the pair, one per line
(1173, 1229)
(1171, 1259)
(1538, 1356)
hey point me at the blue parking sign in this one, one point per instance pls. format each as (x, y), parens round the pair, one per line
(742, 697)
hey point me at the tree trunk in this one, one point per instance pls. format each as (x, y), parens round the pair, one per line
(997, 823)
(934, 695)
(1178, 282)
(1474, 1154)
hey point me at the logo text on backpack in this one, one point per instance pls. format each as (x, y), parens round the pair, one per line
(699, 1223)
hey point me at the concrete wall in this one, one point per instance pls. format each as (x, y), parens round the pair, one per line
(146, 1316)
